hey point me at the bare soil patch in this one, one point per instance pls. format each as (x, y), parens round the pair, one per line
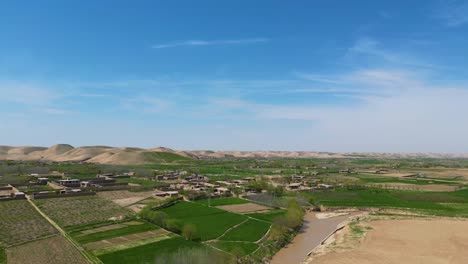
(124, 239)
(54, 250)
(125, 198)
(243, 208)
(407, 241)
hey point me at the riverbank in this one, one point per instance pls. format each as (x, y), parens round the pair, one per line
(316, 228)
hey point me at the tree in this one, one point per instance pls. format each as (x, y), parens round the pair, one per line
(189, 231)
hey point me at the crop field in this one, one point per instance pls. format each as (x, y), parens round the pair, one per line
(53, 250)
(222, 201)
(209, 221)
(20, 222)
(35, 188)
(77, 211)
(268, 216)
(250, 231)
(236, 248)
(147, 253)
(437, 203)
(116, 230)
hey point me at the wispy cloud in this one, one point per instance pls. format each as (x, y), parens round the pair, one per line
(211, 42)
(452, 12)
(371, 47)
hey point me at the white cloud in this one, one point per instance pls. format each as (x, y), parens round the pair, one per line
(210, 42)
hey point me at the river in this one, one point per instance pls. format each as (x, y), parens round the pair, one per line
(312, 233)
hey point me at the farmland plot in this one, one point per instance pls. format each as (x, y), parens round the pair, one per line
(76, 211)
(20, 223)
(250, 231)
(53, 250)
(210, 222)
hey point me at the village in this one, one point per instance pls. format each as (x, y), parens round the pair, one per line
(172, 183)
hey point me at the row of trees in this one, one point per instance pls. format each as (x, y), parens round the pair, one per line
(189, 231)
(283, 228)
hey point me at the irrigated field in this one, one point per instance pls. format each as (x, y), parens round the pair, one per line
(20, 223)
(112, 231)
(53, 250)
(209, 221)
(148, 253)
(222, 201)
(437, 203)
(250, 231)
(236, 248)
(268, 216)
(77, 211)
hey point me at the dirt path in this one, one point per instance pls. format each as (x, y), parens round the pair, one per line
(312, 233)
(88, 257)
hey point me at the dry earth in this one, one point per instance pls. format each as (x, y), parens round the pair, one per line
(408, 241)
(125, 198)
(54, 250)
(243, 208)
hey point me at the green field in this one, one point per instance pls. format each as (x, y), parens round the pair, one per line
(20, 222)
(127, 230)
(3, 257)
(149, 252)
(270, 216)
(222, 201)
(236, 248)
(84, 210)
(209, 221)
(250, 231)
(35, 188)
(15, 179)
(437, 203)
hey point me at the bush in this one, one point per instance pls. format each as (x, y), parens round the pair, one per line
(174, 225)
(189, 231)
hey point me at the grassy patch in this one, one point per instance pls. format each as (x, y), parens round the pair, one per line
(236, 248)
(250, 231)
(222, 201)
(20, 222)
(164, 157)
(127, 230)
(3, 257)
(209, 221)
(147, 253)
(270, 216)
(35, 188)
(76, 211)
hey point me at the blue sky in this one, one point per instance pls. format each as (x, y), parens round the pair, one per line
(323, 75)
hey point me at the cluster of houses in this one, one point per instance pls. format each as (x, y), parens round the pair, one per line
(196, 183)
(7, 192)
(303, 183)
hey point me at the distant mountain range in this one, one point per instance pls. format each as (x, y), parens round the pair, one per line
(139, 156)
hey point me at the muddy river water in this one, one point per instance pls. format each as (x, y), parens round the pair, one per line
(312, 233)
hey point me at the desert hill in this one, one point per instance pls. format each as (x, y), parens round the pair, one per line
(93, 154)
(140, 156)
